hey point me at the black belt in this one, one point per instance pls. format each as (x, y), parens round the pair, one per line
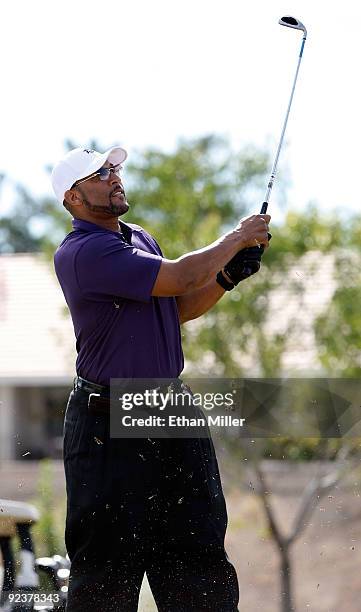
(99, 395)
(89, 387)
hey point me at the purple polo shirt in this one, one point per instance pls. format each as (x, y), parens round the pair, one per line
(121, 330)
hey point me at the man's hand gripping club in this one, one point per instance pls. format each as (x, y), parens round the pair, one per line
(248, 260)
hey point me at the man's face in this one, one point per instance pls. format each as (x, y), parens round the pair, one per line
(104, 197)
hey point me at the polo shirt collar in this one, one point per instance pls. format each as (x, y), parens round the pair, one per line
(87, 226)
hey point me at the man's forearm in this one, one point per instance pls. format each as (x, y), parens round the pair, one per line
(197, 269)
(197, 302)
(201, 266)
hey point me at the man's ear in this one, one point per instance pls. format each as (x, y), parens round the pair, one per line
(72, 197)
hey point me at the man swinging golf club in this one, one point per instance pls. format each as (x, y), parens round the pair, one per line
(140, 505)
(137, 505)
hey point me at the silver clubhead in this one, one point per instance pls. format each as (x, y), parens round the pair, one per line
(292, 22)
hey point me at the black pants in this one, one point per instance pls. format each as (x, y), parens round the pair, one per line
(143, 505)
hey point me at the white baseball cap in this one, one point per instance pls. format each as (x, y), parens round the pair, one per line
(80, 163)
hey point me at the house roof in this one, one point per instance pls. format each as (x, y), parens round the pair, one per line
(37, 337)
(304, 294)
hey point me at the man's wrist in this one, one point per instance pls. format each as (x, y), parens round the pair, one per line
(236, 237)
(224, 281)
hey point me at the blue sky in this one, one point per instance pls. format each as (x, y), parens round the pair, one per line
(148, 73)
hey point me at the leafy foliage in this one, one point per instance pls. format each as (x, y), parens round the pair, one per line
(48, 531)
(187, 198)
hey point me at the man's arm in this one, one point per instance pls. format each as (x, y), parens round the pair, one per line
(197, 302)
(197, 269)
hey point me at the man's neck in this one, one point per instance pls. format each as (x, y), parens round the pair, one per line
(111, 224)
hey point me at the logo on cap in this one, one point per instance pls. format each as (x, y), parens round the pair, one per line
(88, 151)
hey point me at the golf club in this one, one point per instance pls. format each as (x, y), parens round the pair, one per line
(248, 261)
(289, 22)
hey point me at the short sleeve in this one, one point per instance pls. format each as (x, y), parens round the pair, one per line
(107, 266)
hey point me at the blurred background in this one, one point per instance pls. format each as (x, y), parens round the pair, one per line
(196, 92)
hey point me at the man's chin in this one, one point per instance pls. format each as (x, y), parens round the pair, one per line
(124, 209)
(117, 210)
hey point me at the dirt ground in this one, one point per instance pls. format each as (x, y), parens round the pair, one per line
(326, 558)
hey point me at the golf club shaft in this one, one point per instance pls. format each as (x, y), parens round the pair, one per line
(274, 169)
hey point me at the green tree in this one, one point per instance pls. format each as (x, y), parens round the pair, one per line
(16, 234)
(33, 225)
(304, 231)
(188, 197)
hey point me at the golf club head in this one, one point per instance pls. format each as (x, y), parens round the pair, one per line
(292, 22)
